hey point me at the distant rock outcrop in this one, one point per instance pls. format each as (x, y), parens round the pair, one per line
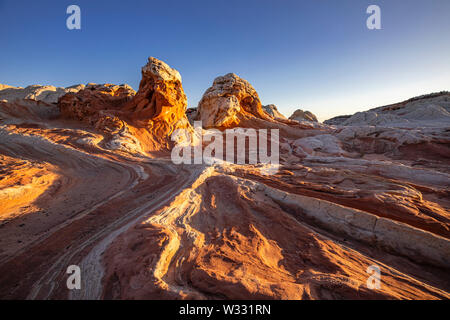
(191, 113)
(4, 86)
(272, 110)
(427, 110)
(300, 115)
(95, 100)
(336, 120)
(47, 94)
(230, 100)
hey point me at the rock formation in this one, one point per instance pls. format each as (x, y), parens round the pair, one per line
(300, 115)
(336, 120)
(160, 102)
(151, 115)
(5, 86)
(230, 100)
(233, 102)
(47, 94)
(159, 107)
(428, 110)
(272, 110)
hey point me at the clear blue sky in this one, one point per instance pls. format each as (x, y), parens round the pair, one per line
(314, 55)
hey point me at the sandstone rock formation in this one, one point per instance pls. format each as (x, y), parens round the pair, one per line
(5, 86)
(230, 100)
(94, 101)
(300, 115)
(337, 120)
(233, 102)
(272, 110)
(21, 111)
(159, 107)
(160, 101)
(428, 110)
(191, 113)
(47, 94)
(149, 116)
(21, 183)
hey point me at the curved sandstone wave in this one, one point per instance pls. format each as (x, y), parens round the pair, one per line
(235, 239)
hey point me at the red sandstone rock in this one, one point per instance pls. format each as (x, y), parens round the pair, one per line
(88, 104)
(151, 115)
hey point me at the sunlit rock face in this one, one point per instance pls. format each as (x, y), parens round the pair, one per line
(233, 102)
(415, 129)
(237, 238)
(343, 200)
(160, 102)
(150, 116)
(159, 107)
(300, 115)
(336, 120)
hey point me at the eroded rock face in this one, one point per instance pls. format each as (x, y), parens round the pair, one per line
(300, 115)
(272, 110)
(233, 238)
(151, 115)
(230, 100)
(5, 86)
(20, 111)
(335, 121)
(96, 100)
(160, 101)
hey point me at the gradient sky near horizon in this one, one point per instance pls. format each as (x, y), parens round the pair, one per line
(313, 55)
